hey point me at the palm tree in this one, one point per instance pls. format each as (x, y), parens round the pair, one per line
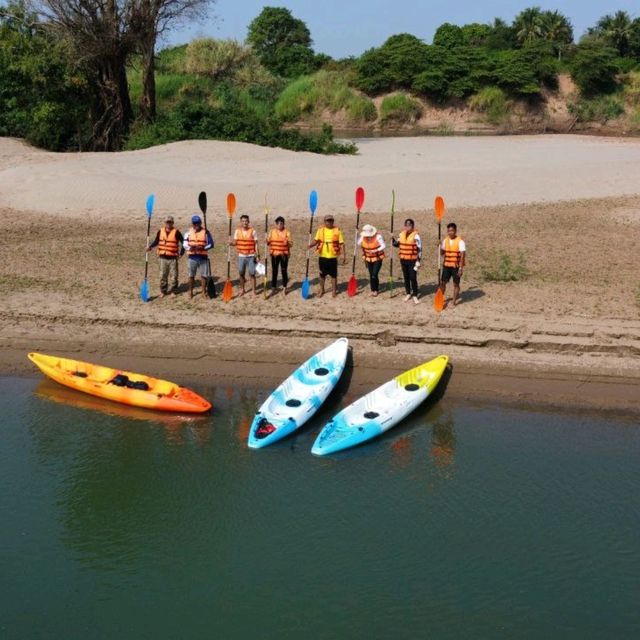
(528, 25)
(557, 29)
(617, 29)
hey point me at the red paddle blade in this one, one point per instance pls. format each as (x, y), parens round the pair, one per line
(438, 301)
(359, 198)
(439, 207)
(227, 292)
(231, 203)
(352, 287)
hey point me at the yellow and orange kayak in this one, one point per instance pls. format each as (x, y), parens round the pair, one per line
(129, 388)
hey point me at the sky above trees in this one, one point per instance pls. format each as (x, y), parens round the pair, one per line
(342, 28)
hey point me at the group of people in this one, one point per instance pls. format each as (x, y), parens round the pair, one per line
(328, 242)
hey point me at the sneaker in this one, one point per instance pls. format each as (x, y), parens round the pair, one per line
(407, 298)
(415, 300)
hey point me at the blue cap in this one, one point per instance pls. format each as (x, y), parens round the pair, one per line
(195, 220)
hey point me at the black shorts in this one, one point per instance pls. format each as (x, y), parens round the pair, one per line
(328, 267)
(450, 272)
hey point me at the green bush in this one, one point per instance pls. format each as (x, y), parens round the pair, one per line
(324, 90)
(399, 109)
(216, 59)
(600, 109)
(632, 88)
(594, 67)
(491, 101)
(500, 266)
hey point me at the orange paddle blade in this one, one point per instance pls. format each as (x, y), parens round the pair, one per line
(231, 203)
(352, 287)
(359, 198)
(439, 206)
(438, 301)
(227, 292)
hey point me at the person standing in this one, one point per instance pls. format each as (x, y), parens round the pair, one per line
(410, 252)
(453, 250)
(245, 240)
(197, 243)
(329, 243)
(169, 242)
(373, 246)
(279, 243)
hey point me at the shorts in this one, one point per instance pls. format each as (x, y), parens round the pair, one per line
(245, 262)
(198, 265)
(450, 272)
(328, 267)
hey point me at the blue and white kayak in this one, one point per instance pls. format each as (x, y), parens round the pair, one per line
(299, 396)
(380, 409)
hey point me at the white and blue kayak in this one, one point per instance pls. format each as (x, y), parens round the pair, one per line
(299, 396)
(381, 409)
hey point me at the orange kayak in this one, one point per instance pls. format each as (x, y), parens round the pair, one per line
(129, 388)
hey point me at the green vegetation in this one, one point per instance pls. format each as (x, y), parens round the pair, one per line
(399, 109)
(493, 102)
(500, 266)
(324, 90)
(600, 109)
(53, 95)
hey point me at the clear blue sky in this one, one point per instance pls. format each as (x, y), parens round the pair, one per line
(346, 27)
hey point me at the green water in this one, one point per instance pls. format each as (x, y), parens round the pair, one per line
(467, 521)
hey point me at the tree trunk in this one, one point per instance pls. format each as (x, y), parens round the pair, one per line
(148, 98)
(112, 108)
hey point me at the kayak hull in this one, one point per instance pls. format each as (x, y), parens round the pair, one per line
(161, 395)
(381, 409)
(299, 397)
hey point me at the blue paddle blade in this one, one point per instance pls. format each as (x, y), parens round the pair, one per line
(144, 291)
(305, 289)
(313, 201)
(150, 201)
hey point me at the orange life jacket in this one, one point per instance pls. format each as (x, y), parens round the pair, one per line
(197, 242)
(335, 240)
(452, 253)
(278, 242)
(245, 243)
(371, 249)
(168, 244)
(408, 246)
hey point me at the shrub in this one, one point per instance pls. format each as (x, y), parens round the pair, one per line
(594, 67)
(324, 90)
(399, 109)
(600, 109)
(491, 101)
(217, 59)
(632, 88)
(504, 267)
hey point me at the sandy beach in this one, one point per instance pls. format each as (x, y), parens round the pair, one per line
(559, 201)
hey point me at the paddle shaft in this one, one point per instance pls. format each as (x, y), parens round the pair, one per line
(355, 244)
(439, 252)
(229, 253)
(146, 254)
(266, 249)
(393, 206)
(308, 245)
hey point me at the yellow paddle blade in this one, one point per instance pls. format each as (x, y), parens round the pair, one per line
(227, 292)
(438, 300)
(439, 207)
(231, 203)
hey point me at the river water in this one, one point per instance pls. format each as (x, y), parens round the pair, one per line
(466, 521)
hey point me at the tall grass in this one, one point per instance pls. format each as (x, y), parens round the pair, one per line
(328, 90)
(399, 108)
(600, 109)
(492, 102)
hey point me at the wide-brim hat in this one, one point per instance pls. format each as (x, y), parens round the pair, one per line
(368, 231)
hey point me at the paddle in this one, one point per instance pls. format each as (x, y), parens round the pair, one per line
(211, 287)
(352, 287)
(393, 208)
(227, 292)
(266, 246)
(313, 205)
(438, 301)
(144, 287)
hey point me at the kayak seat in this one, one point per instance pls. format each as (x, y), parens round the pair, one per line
(411, 387)
(79, 374)
(370, 415)
(293, 402)
(321, 371)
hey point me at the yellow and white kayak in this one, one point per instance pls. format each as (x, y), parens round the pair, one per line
(128, 388)
(381, 409)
